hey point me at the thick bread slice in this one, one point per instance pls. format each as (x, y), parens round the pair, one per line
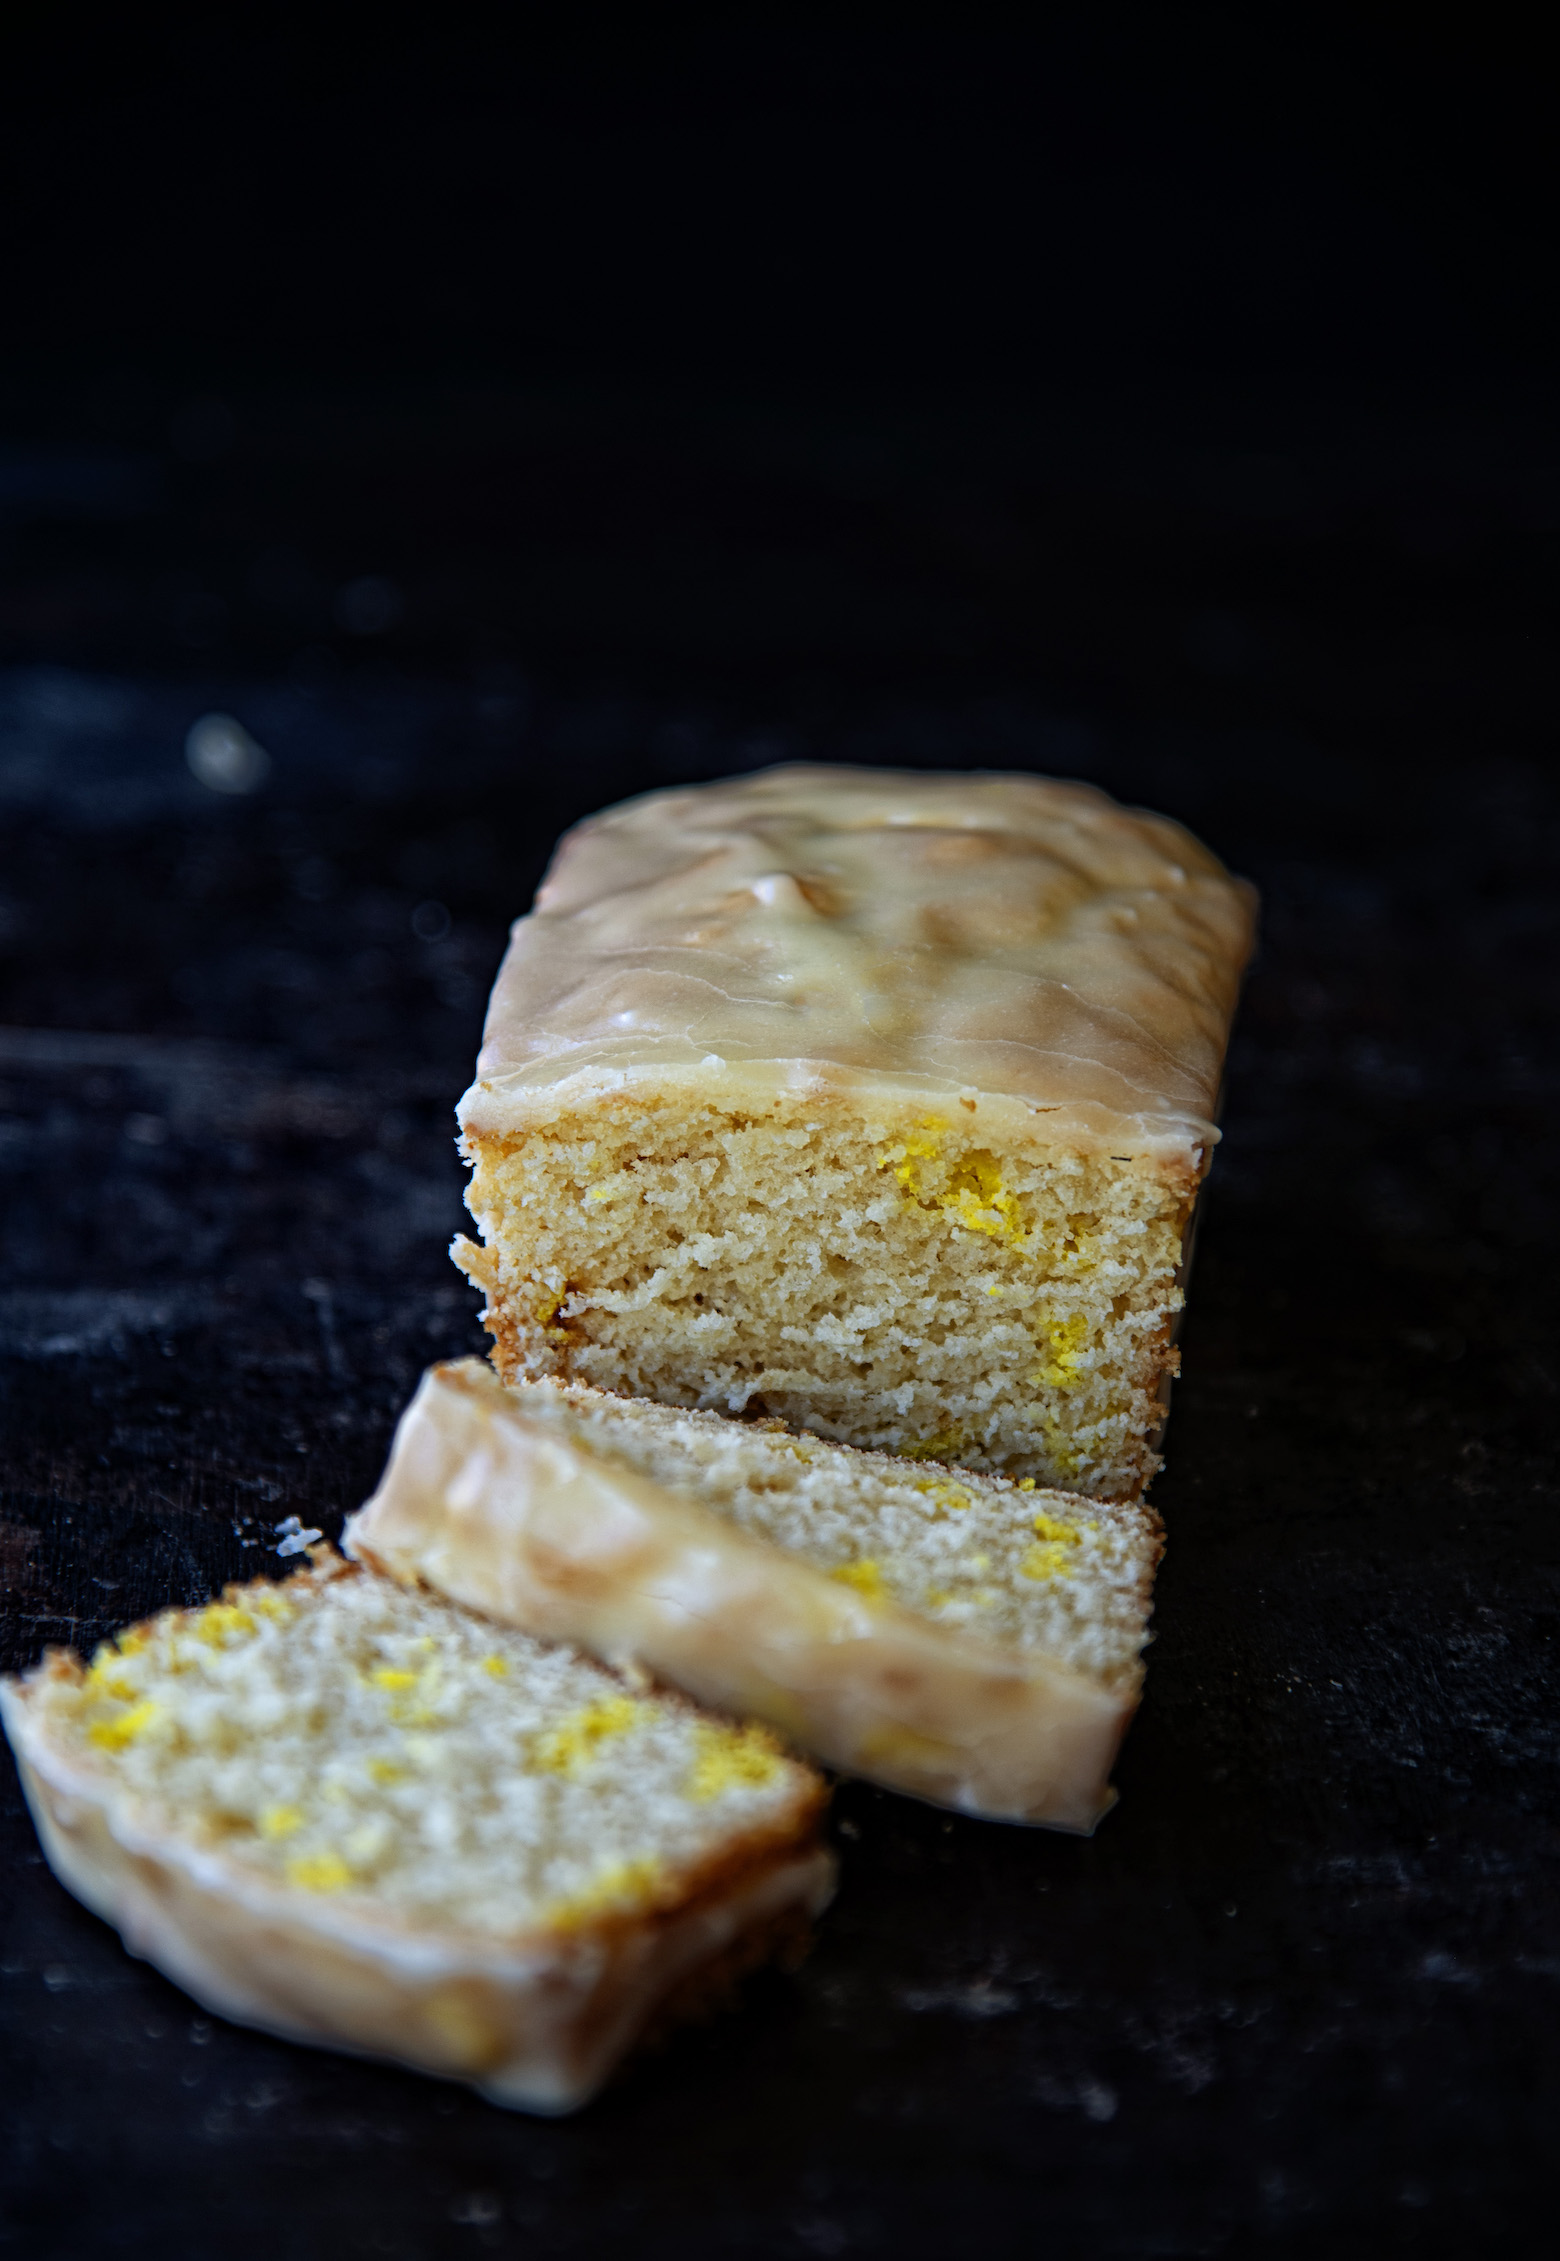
(966, 1638)
(358, 1816)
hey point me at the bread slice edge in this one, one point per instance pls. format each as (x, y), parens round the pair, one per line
(536, 2021)
(539, 1531)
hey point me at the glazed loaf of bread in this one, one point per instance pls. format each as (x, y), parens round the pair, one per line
(873, 1101)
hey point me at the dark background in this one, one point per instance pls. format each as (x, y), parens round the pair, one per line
(497, 423)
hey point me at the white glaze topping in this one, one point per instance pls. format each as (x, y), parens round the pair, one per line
(896, 936)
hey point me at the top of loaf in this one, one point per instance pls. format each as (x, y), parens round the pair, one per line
(902, 938)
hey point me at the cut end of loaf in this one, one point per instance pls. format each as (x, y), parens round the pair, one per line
(896, 1283)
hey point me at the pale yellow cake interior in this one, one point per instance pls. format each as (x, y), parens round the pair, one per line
(358, 1741)
(1010, 1565)
(891, 1281)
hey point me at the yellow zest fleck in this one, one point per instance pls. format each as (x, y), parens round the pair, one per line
(948, 1495)
(1053, 1559)
(280, 1821)
(865, 1576)
(130, 1642)
(1063, 1533)
(1026, 1483)
(383, 1770)
(547, 1307)
(941, 1447)
(574, 1742)
(319, 1872)
(104, 1677)
(977, 1200)
(974, 1195)
(495, 1665)
(399, 1681)
(618, 1887)
(114, 1734)
(272, 1604)
(1067, 1338)
(731, 1758)
(905, 1158)
(221, 1623)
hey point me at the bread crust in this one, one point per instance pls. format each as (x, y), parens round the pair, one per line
(537, 2020)
(519, 1522)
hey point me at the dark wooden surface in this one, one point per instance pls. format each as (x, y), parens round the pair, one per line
(1298, 1994)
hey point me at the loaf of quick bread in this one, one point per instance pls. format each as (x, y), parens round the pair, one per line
(873, 1101)
(964, 1637)
(356, 1815)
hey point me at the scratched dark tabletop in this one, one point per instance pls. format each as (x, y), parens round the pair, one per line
(1299, 1994)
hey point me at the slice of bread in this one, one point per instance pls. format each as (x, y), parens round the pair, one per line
(355, 1815)
(966, 1638)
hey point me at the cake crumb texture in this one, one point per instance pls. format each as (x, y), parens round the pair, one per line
(1041, 1573)
(888, 1282)
(353, 1740)
(966, 1637)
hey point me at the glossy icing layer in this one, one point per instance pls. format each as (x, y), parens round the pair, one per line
(899, 937)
